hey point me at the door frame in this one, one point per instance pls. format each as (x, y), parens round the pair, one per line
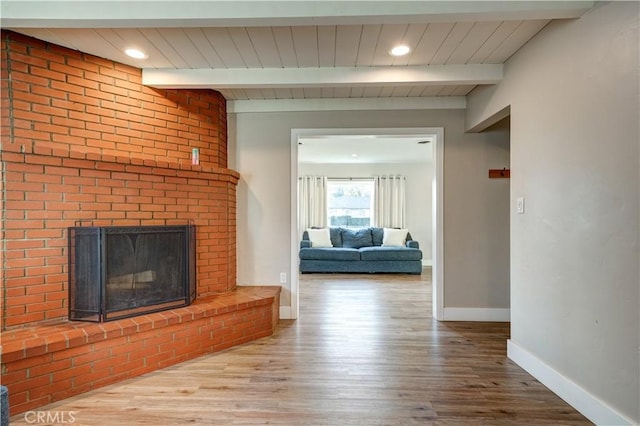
(437, 135)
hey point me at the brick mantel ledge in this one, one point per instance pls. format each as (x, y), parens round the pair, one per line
(51, 361)
(94, 161)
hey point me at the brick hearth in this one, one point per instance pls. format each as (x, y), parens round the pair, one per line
(45, 363)
(83, 141)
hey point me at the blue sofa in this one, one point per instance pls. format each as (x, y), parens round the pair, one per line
(360, 251)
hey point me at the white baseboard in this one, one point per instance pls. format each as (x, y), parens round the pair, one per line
(579, 398)
(285, 312)
(427, 262)
(477, 314)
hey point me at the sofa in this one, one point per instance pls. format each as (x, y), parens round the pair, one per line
(365, 250)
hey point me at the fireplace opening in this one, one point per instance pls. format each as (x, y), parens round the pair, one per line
(119, 272)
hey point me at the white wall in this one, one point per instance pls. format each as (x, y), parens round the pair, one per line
(573, 94)
(418, 191)
(260, 150)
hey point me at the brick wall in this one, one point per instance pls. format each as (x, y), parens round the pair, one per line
(83, 140)
(68, 101)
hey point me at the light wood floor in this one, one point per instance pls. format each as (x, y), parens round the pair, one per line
(364, 352)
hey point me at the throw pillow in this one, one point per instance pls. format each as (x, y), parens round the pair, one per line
(394, 237)
(356, 238)
(335, 233)
(319, 237)
(378, 235)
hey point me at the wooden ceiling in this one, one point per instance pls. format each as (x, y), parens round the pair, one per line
(298, 50)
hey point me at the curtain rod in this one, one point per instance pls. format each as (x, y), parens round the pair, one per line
(345, 178)
(366, 178)
(351, 178)
(359, 178)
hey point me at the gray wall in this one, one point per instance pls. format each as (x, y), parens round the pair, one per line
(419, 177)
(573, 94)
(477, 222)
(260, 147)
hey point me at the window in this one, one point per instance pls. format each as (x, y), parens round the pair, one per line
(350, 202)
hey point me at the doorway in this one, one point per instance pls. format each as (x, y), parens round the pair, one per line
(435, 135)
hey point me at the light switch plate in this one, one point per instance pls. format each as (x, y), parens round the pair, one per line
(520, 205)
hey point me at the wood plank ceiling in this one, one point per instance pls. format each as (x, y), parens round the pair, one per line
(309, 47)
(282, 47)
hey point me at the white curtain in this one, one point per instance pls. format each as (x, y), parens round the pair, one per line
(312, 202)
(389, 202)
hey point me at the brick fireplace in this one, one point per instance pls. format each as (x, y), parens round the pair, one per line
(83, 141)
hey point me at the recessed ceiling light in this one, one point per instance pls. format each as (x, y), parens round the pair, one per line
(354, 155)
(135, 53)
(400, 50)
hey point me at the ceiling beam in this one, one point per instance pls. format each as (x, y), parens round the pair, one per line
(346, 104)
(321, 77)
(210, 13)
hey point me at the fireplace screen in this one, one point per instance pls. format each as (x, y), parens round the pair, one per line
(119, 272)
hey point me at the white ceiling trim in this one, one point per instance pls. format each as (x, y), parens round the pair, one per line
(149, 13)
(228, 78)
(346, 104)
